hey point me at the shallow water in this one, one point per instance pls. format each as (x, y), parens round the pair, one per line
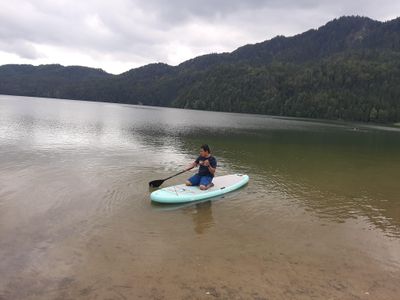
(320, 217)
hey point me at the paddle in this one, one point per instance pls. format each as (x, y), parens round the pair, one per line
(157, 183)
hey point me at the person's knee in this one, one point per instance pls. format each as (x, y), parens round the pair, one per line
(188, 183)
(203, 187)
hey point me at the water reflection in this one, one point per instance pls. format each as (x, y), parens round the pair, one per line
(202, 217)
(74, 192)
(334, 171)
(199, 211)
(336, 175)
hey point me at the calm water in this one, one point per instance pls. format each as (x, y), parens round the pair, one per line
(319, 219)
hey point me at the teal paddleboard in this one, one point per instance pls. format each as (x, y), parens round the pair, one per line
(182, 193)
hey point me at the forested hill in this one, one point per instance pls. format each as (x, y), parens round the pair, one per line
(347, 69)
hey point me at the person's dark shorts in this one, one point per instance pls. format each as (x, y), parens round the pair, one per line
(200, 180)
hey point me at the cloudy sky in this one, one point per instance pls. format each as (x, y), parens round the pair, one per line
(118, 35)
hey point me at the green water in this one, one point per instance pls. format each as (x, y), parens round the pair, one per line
(320, 217)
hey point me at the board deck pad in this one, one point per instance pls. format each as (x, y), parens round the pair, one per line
(182, 193)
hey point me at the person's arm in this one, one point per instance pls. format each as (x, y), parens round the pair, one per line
(192, 165)
(210, 168)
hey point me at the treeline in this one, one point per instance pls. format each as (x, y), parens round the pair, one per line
(347, 86)
(348, 69)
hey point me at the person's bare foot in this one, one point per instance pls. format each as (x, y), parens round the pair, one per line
(188, 183)
(206, 187)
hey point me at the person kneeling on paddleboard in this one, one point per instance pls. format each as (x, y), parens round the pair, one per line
(207, 166)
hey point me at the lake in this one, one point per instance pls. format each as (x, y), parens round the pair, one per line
(319, 219)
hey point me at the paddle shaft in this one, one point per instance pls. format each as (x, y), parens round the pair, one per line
(175, 175)
(157, 183)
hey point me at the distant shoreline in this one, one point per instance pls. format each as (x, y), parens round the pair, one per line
(334, 121)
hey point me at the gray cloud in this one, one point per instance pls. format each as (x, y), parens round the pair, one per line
(22, 48)
(134, 32)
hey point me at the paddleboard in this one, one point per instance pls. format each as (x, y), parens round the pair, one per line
(182, 193)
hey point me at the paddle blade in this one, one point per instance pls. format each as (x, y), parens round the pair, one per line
(156, 183)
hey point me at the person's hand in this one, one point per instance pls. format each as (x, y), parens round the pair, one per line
(206, 163)
(190, 167)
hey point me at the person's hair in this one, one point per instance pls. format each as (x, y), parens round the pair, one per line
(205, 148)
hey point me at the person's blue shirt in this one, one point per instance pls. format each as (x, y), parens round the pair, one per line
(203, 170)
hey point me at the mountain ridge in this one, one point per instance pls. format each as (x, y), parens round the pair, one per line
(328, 72)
